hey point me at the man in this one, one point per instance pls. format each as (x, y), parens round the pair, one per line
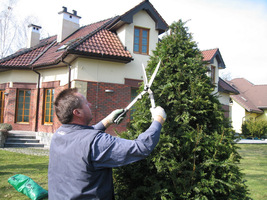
(82, 156)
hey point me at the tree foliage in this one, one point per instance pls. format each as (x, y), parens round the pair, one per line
(195, 157)
(252, 128)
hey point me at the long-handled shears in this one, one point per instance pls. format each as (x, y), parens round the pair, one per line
(147, 89)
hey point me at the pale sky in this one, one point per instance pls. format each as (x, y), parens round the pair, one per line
(237, 27)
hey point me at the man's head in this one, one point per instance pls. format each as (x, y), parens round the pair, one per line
(72, 107)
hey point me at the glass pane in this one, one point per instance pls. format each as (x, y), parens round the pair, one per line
(136, 32)
(26, 119)
(19, 118)
(145, 33)
(144, 49)
(51, 118)
(28, 93)
(144, 41)
(27, 112)
(27, 99)
(136, 47)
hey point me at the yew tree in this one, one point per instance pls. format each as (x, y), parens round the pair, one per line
(196, 157)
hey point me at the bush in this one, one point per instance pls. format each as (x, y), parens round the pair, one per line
(196, 157)
(5, 126)
(253, 128)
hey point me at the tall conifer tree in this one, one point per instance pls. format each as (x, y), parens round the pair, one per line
(196, 157)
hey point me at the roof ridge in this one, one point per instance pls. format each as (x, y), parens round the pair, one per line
(92, 33)
(210, 49)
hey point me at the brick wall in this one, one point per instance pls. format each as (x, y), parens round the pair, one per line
(103, 103)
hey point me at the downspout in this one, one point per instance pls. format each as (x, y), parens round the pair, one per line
(38, 100)
(69, 66)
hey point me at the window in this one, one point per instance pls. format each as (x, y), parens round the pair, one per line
(141, 40)
(212, 72)
(23, 106)
(48, 106)
(2, 101)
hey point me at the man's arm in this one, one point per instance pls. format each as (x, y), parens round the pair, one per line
(109, 151)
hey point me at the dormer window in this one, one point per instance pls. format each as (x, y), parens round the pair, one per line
(141, 40)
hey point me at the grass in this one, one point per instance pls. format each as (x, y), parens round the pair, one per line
(254, 166)
(12, 163)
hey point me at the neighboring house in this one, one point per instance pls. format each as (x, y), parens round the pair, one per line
(103, 60)
(222, 88)
(250, 103)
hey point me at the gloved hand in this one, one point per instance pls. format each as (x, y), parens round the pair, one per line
(158, 113)
(113, 115)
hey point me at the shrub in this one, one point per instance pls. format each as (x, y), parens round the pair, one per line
(253, 128)
(196, 157)
(5, 126)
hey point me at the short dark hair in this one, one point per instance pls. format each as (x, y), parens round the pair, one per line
(65, 103)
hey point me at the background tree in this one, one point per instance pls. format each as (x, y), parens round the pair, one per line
(196, 157)
(13, 29)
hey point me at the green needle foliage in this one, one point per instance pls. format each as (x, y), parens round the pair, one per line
(196, 157)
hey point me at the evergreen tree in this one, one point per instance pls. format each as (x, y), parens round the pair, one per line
(196, 157)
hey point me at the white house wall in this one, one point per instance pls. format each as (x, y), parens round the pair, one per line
(20, 76)
(55, 74)
(224, 98)
(238, 112)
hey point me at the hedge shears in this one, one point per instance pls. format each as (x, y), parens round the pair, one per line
(147, 86)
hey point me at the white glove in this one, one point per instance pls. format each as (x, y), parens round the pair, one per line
(113, 115)
(158, 111)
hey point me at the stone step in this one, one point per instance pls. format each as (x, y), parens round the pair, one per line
(23, 145)
(21, 140)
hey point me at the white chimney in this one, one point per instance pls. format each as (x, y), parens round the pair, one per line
(34, 35)
(69, 22)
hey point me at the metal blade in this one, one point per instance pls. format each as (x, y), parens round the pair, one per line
(144, 76)
(154, 75)
(135, 100)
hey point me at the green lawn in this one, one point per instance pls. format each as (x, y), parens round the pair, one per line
(12, 163)
(254, 166)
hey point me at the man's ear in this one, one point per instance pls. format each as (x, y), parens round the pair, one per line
(76, 112)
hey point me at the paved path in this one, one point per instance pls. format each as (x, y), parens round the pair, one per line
(29, 151)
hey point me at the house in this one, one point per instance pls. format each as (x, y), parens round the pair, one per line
(250, 103)
(103, 60)
(215, 63)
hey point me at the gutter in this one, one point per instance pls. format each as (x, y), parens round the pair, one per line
(69, 66)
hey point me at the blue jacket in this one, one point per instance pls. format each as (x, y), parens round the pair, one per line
(82, 157)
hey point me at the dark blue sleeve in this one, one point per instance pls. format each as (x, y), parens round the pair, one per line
(108, 151)
(99, 126)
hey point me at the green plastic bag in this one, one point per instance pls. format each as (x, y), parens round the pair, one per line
(27, 186)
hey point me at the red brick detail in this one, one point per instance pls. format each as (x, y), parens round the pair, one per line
(53, 84)
(133, 82)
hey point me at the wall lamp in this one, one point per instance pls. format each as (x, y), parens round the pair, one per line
(6, 93)
(109, 91)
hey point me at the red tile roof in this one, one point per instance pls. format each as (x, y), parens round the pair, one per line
(95, 40)
(225, 87)
(252, 97)
(209, 55)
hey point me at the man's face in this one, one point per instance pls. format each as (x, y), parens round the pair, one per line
(85, 110)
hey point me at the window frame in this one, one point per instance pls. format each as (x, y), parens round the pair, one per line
(213, 74)
(51, 107)
(140, 43)
(23, 106)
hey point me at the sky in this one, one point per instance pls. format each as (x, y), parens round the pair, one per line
(237, 27)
